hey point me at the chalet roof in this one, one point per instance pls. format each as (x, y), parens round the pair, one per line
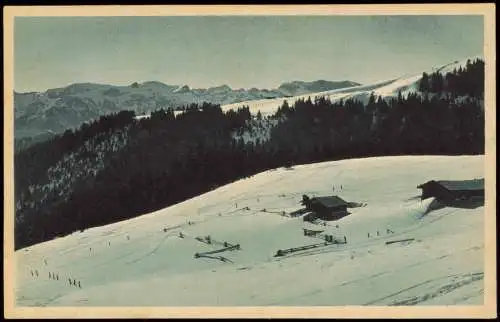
(459, 185)
(330, 201)
(477, 184)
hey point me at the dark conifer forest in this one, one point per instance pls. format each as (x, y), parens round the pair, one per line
(119, 167)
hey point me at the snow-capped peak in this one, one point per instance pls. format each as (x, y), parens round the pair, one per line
(219, 89)
(182, 89)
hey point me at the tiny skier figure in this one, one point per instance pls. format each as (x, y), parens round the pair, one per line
(345, 240)
(368, 235)
(378, 233)
(57, 277)
(36, 272)
(74, 282)
(79, 284)
(69, 279)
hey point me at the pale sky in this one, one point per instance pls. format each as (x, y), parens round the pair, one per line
(242, 52)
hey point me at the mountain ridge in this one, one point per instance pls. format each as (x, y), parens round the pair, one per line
(59, 109)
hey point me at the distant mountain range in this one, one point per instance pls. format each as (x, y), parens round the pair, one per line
(125, 166)
(385, 89)
(56, 110)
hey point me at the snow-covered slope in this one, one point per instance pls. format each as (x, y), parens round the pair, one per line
(145, 262)
(62, 108)
(299, 87)
(385, 89)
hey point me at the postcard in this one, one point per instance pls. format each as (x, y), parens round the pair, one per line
(250, 161)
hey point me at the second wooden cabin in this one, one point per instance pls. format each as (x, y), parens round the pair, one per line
(447, 190)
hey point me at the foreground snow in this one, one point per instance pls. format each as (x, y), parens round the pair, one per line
(137, 263)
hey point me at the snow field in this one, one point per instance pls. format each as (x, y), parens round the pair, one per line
(137, 263)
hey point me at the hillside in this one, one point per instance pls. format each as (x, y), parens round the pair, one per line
(122, 165)
(59, 109)
(144, 261)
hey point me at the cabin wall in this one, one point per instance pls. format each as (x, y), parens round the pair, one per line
(332, 213)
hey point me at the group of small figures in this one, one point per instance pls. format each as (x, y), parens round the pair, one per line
(74, 283)
(55, 276)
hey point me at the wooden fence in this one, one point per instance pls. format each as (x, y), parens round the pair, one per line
(399, 241)
(227, 247)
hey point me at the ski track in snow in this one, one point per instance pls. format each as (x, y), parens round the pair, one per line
(136, 263)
